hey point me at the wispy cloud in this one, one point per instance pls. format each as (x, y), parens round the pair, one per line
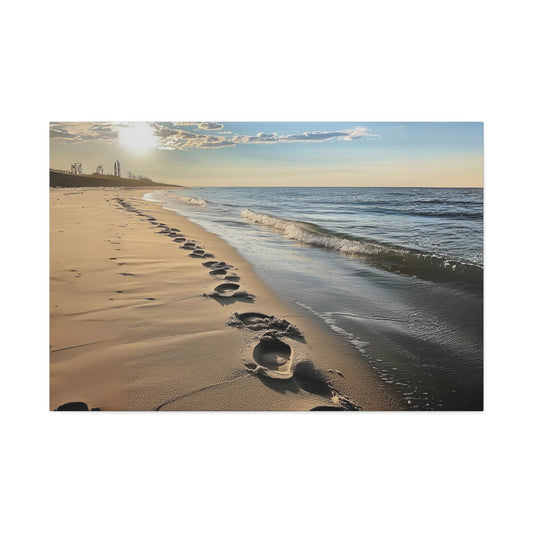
(201, 125)
(61, 133)
(77, 132)
(312, 136)
(210, 126)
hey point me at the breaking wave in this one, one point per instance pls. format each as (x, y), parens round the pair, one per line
(312, 234)
(193, 201)
(396, 259)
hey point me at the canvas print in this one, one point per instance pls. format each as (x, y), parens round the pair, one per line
(274, 266)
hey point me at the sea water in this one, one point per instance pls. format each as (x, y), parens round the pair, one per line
(397, 272)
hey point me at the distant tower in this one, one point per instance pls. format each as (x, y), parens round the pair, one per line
(76, 168)
(116, 167)
(100, 169)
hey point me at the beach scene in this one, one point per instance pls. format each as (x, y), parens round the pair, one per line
(279, 272)
(266, 266)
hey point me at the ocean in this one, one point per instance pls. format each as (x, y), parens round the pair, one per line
(396, 272)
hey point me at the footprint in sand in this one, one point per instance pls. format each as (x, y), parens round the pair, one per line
(201, 253)
(188, 246)
(75, 406)
(274, 358)
(216, 265)
(255, 321)
(197, 253)
(230, 290)
(219, 272)
(227, 289)
(328, 408)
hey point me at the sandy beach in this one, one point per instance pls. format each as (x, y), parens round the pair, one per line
(137, 321)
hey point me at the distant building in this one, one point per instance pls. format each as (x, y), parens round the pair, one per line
(99, 169)
(76, 168)
(116, 168)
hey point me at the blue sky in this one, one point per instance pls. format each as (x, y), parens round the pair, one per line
(431, 154)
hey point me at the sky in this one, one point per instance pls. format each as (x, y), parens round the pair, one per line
(342, 154)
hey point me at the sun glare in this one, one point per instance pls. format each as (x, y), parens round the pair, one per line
(137, 137)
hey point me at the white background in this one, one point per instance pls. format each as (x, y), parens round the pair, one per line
(356, 61)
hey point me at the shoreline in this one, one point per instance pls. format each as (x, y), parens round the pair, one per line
(132, 329)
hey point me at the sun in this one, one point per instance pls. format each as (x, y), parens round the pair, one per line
(137, 137)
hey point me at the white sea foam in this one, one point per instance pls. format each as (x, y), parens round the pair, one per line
(306, 233)
(193, 201)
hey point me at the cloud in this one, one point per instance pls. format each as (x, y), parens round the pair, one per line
(104, 128)
(163, 131)
(312, 136)
(178, 139)
(173, 138)
(76, 132)
(61, 134)
(201, 125)
(210, 126)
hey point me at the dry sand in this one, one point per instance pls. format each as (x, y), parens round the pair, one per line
(132, 326)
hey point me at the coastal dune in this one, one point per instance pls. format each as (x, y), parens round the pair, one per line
(148, 311)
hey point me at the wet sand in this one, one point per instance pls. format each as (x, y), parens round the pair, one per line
(150, 312)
